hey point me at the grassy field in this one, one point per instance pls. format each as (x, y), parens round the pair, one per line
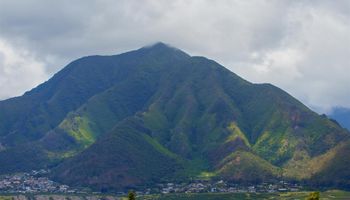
(329, 195)
(6, 198)
(280, 196)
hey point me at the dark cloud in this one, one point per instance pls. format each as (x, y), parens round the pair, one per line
(300, 45)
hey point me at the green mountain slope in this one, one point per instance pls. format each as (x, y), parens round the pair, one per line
(335, 170)
(243, 166)
(129, 157)
(157, 114)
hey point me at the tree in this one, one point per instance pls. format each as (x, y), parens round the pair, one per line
(313, 196)
(131, 195)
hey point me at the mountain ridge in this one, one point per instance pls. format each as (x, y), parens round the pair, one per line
(342, 115)
(157, 114)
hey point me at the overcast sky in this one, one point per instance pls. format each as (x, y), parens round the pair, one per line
(300, 46)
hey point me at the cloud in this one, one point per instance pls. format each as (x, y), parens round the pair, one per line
(18, 70)
(312, 60)
(298, 45)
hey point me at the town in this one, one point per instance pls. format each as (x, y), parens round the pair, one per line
(32, 182)
(226, 187)
(37, 181)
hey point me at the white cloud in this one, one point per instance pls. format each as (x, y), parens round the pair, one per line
(312, 60)
(19, 70)
(301, 46)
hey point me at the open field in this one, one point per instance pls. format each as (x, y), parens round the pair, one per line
(329, 195)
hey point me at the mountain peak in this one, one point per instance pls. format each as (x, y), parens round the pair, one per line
(156, 114)
(161, 47)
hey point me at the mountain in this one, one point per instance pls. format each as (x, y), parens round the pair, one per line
(157, 114)
(342, 115)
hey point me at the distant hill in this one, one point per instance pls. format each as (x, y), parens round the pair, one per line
(342, 115)
(157, 114)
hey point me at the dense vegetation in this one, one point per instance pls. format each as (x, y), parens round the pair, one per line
(157, 114)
